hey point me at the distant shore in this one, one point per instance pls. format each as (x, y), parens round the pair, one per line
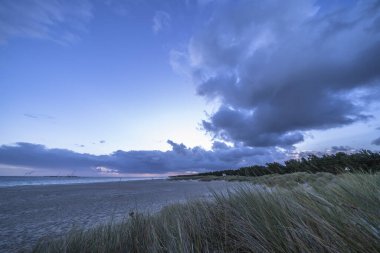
(11, 181)
(28, 213)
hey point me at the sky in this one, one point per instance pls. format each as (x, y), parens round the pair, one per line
(152, 88)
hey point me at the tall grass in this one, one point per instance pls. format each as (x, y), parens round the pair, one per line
(339, 215)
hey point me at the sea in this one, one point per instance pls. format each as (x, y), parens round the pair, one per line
(11, 181)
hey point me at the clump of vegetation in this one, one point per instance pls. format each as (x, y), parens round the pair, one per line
(363, 161)
(341, 213)
(288, 180)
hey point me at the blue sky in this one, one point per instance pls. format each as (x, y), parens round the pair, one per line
(237, 82)
(114, 84)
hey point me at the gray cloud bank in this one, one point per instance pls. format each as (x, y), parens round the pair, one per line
(178, 160)
(376, 141)
(280, 68)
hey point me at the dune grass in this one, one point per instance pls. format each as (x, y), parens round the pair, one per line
(322, 213)
(274, 180)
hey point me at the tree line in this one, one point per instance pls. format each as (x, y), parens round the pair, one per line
(364, 161)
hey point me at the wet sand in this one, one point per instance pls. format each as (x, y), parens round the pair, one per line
(28, 213)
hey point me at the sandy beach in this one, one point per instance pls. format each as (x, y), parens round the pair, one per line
(28, 213)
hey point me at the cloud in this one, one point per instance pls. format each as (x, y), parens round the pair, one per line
(106, 171)
(327, 151)
(178, 61)
(376, 142)
(161, 21)
(337, 149)
(56, 20)
(38, 116)
(279, 68)
(177, 160)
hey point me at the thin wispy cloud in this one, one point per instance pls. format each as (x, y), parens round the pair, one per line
(161, 21)
(38, 116)
(59, 21)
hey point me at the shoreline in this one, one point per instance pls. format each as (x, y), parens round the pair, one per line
(45, 181)
(28, 213)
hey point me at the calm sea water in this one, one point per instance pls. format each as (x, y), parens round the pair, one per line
(20, 181)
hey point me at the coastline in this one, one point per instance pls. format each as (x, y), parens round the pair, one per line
(15, 181)
(28, 213)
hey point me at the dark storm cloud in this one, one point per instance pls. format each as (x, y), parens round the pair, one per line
(180, 159)
(376, 141)
(280, 68)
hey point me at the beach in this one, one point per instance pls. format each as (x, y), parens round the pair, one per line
(28, 213)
